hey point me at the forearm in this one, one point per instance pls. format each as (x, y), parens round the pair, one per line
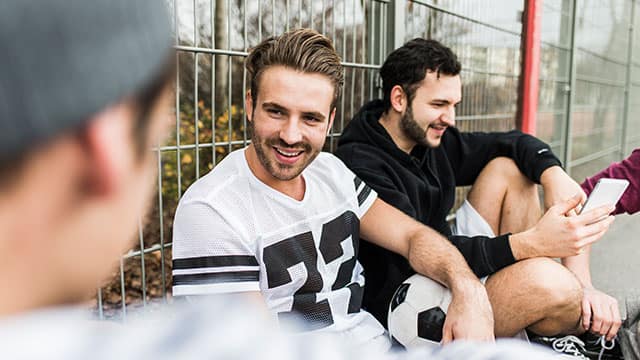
(579, 266)
(434, 256)
(549, 177)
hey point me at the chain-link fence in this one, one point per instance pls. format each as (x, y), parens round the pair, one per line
(588, 77)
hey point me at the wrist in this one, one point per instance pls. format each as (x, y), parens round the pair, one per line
(466, 286)
(588, 286)
(522, 245)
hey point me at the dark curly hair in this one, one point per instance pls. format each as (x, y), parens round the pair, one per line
(408, 65)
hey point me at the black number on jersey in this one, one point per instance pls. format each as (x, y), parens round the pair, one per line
(300, 249)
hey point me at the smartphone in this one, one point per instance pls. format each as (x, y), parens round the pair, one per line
(606, 192)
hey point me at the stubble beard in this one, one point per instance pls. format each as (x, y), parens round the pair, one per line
(282, 172)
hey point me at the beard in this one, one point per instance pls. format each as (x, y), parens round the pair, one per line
(412, 130)
(282, 172)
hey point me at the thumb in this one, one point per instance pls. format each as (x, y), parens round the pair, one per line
(568, 205)
(447, 335)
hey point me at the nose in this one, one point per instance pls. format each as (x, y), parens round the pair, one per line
(449, 116)
(290, 132)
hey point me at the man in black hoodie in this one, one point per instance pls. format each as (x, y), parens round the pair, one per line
(406, 147)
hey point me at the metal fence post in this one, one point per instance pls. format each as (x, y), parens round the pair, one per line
(530, 77)
(397, 18)
(627, 86)
(571, 90)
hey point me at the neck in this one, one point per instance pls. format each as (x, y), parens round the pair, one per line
(390, 120)
(30, 227)
(20, 282)
(294, 188)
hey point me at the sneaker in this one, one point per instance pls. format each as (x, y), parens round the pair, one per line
(569, 346)
(596, 347)
(587, 346)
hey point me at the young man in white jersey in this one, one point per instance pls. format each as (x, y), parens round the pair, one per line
(283, 220)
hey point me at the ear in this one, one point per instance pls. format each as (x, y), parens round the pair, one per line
(248, 105)
(398, 99)
(108, 146)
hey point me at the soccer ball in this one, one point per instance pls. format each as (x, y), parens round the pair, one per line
(417, 312)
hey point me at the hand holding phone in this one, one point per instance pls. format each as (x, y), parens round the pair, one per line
(606, 192)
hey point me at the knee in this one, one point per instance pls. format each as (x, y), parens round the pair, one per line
(507, 169)
(554, 283)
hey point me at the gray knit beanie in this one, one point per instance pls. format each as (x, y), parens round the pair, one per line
(63, 60)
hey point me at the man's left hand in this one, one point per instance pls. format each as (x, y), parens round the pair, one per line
(600, 313)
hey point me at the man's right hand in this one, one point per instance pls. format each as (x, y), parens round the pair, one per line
(557, 235)
(469, 315)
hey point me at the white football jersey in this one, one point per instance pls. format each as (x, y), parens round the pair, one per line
(233, 233)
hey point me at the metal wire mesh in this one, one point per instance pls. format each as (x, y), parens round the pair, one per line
(212, 40)
(214, 36)
(487, 43)
(592, 103)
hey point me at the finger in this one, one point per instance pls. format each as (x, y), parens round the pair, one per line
(617, 321)
(586, 314)
(597, 320)
(591, 233)
(607, 321)
(584, 244)
(447, 334)
(565, 206)
(583, 198)
(594, 228)
(595, 215)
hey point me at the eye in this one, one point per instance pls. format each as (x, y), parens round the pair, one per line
(275, 112)
(310, 118)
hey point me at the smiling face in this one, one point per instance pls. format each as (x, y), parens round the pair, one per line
(432, 109)
(291, 118)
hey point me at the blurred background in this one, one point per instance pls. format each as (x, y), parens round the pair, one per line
(583, 102)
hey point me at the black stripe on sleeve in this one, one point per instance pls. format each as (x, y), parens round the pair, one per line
(215, 278)
(214, 261)
(357, 181)
(364, 194)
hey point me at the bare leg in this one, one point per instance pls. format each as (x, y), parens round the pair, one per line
(505, 198)
(538, 294)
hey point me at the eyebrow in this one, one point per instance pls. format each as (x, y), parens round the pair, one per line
(272, 105)
(445, 101)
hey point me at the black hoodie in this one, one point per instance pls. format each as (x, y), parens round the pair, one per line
(423, 184)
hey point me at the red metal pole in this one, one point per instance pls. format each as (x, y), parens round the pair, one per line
(531, 68)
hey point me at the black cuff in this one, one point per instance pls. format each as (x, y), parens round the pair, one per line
(544, 165)
(501, 250)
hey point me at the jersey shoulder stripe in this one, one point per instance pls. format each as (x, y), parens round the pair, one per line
(214, 261)
(215, 278)
(364, 194)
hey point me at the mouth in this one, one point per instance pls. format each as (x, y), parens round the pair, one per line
(288, 153)
(287, 156)
(439, 129)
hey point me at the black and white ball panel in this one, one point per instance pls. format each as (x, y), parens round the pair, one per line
(417, 312)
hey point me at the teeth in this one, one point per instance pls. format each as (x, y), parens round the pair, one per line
(288, 154)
